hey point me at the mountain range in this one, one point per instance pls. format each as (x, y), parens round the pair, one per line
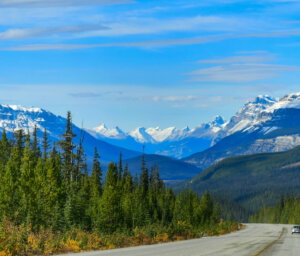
(263, 125)
(13, 117)
(172, 142)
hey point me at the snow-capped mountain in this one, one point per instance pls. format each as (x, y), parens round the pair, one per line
(263, 125)
(248, 114)
(103, 131)
(13, 117)
(171, 141)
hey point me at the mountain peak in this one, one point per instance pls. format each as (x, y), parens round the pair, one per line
(115, 133)
(218, 120)
(22, 109)
(291, 97)
(263, 99)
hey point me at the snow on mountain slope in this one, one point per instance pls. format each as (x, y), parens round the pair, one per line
(140, 135)
(13, 117)
(262, 125)
(170, 142)
(247, 115)
(103, 131)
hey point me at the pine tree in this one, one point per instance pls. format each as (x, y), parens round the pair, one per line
(206, 208)
(67, 147)
(54, 190)
(96, 177)
(144, 177)
(45, 145)
(28, 187)
(35, 144)
(4, 152)
(127, 202)
(110, 210)
(10, 194)
(19, 142)
(95, 189)
(120, 168)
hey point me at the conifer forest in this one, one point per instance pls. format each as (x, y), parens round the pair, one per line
(52, 202)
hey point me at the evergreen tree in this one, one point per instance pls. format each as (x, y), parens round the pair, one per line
(35, 144)
(45, 145)
(10, 193)
(67, 147)
(4, 152)
(120, 168)
(110, 210)
(28, 187)
(95, 188)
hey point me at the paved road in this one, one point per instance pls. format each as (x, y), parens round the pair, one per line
(255, 240)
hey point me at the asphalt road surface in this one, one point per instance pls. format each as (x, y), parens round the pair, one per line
(254, 240)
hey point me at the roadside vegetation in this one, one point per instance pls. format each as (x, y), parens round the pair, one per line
(286, 212)
(50, 204)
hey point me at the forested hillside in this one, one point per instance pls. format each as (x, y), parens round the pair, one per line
(286, 212)
(49, 203)
(254, 180)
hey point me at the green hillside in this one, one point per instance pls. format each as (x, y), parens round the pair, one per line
(169, 168)
(253, 180)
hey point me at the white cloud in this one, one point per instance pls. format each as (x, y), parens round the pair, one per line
(155, 26)
(13, 34)
(239, 73)
(174, 98)
(85, 95)
(153, 43)
(241, 59)
(56, 3)
(139, 26)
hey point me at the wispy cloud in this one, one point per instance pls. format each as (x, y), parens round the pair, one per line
(154, 43)
(85, 95)
(241, 59)
(239, 73)
(57, 3)
(13, 34)
(140, 26)
(175, 98)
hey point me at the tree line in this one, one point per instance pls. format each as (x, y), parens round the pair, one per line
(287, 211)
(49, 187)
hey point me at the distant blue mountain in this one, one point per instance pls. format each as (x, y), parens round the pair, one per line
(170, 142)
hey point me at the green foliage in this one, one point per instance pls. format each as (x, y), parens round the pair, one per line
(53, 191)
(253, 180)
(286, 212)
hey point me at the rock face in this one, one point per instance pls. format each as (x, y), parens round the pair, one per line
(262, 125)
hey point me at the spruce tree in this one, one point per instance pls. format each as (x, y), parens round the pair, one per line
(4, 152)
(45, 145)
(120, 168)
(95, 184)
(10, 194)
(35, 144)
(67, 147)
(110, 210)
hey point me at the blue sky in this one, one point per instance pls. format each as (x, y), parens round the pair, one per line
(147, 63)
